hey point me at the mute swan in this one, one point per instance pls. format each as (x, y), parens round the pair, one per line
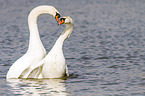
(53, 65)
(36, 51)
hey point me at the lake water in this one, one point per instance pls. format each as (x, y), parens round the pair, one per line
(105, 53)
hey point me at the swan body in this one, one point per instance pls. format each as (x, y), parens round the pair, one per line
(53, 65)
(36, 51)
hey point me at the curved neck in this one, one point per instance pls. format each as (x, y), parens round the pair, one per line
(34, 41)
(59, 42)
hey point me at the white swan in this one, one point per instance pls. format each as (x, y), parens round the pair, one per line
(53, 65)
(36, 51)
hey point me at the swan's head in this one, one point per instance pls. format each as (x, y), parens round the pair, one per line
(65, 20)
(45, 9)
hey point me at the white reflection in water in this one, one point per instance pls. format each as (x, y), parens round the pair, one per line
(37, 87)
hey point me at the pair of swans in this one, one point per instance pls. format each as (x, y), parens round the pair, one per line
(35, 63)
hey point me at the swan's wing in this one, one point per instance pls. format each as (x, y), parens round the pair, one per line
(36, 71)
(18, 67)
(66, 70)
(23, 66)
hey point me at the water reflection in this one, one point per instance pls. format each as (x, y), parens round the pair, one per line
(37, 87)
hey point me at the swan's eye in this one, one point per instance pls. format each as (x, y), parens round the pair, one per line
(57, 16)
(62, 20)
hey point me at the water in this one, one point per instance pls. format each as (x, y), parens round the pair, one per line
(105, 53)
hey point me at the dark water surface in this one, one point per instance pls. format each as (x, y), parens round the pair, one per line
(105, 53)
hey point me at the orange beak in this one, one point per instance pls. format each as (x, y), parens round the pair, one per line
(61, 22)
(57, 18)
